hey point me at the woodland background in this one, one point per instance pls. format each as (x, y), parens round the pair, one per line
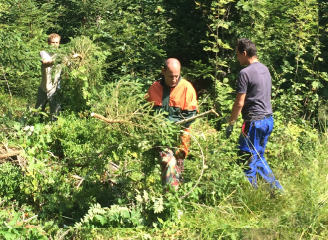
(80, 178)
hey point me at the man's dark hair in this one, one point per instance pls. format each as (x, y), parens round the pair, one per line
(244, 44)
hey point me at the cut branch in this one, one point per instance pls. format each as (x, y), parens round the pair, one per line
(30, 218)
(200, 115)
(11, 154)
(82, 179)
(109, 120)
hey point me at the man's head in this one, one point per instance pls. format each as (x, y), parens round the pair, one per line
(245, 50)
(171, 72)
(54, 39)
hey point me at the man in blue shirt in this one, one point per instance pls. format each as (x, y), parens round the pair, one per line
(253, 101)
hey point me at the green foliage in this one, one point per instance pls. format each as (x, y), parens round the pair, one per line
(187, 27)
(132, 31)
(87, 173)
(20, 44)
(24, 234)
(138, 38)
(287, 37)
(10, 180)
(116, 216)
(19, 222)
(83, 65)
(78, 148)
(291, 139)
(88, 148)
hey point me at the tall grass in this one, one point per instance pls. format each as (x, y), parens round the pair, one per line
(299, 212)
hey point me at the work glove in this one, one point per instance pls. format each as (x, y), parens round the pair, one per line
(229, 130)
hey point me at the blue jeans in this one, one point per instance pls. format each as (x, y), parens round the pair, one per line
(252, 143)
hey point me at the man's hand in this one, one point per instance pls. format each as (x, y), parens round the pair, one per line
(47, 63)
(229, 130)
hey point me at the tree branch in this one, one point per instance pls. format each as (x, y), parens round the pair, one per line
(198, 116)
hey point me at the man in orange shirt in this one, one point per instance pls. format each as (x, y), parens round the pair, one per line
(177, 97)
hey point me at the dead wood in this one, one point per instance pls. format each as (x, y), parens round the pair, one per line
(197, 116)
(11, 154)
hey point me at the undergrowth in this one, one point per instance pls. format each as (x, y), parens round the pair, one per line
(84, 175)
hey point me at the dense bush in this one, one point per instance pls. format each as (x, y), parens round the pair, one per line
(10, 180)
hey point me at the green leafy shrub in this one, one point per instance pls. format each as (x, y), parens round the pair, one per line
(20, 44)
(82, 63)
(289, 140)
(11, 179)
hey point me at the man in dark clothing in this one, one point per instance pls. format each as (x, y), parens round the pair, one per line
(253, 101)
(177, 97)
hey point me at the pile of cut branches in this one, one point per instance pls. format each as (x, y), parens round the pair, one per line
(11, 154)
(124, 106)
(82, 63)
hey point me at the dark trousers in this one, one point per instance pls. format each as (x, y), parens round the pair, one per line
(54, 103)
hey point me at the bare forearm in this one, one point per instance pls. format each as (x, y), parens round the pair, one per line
(236, 110)
(237, 107)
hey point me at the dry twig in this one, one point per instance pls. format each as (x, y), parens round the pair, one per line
(197, 116)
(82, 179)
(11, 154)
(3, 201)
(30, 218)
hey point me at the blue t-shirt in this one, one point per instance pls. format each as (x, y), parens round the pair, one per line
(255, 81)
